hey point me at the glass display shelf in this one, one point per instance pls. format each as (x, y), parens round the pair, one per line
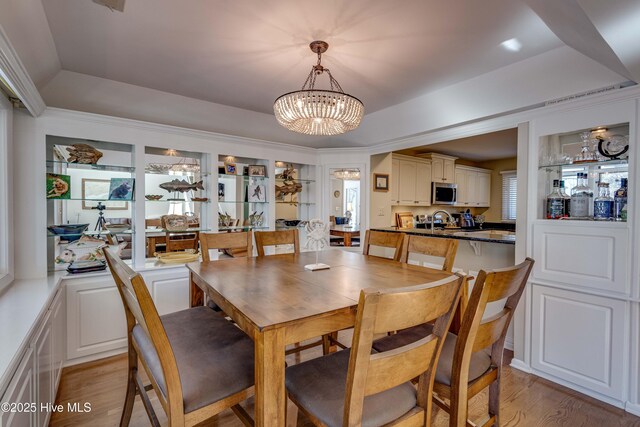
(177, 201)
(90, 233)
(91, 166)
(163, 230)
(586, 164)
(241, 177)
(176, 174)
(80, 199)
(246, 203)
(243, 228)
(295, 203)
(302, 181)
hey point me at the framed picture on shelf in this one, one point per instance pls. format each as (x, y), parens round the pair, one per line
(230, 168)
(256, 193)
(58, 186)
(380, 182)
(221, 191)
(257, 170)
(121, 188)
(404, 219)
(98, 189)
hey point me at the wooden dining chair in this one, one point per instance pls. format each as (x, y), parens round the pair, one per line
(385, 240)
(199, 364)
(359, 387)
(472, 360)
(239, 243)
(279, 237)
(431, 246)
(182, 241)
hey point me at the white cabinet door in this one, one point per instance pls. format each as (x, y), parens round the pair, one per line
(462, 197)
(483, 189)
(472, 188)
(579, 338)
(448, 171)
(437, 170)
(395, 180)
(95, 317)
(43, 345)
(423, 184)
(407, 190)
(169, 289)
(21, 390)
(58, 330)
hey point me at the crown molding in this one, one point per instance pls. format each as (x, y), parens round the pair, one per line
(18, 77)
(60, 113)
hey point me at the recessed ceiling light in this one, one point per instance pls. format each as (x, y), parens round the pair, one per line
(512, 45)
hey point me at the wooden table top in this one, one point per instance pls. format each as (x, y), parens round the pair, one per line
(276, 289)
(345, 228)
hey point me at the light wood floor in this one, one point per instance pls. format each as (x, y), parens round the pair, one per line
(526, 401)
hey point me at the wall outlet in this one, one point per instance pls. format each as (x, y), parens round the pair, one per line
(380, 211)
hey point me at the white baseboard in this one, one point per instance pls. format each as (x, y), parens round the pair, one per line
(508, 344)
(520, 365)
(94, 357)
(632, 408)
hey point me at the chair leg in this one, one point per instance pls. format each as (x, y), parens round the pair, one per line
(494, 401)
(291, 414)
(130, 397)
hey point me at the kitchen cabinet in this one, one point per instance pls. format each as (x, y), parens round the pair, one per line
(474, 187)
(442, 167)
(413, 180)
(169, 289)
(21, 390)
(44, 370)
(395, 180)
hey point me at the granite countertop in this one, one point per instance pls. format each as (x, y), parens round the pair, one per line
(484, 235)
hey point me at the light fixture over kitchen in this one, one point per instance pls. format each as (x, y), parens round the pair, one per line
(347, 174)
(319, 112)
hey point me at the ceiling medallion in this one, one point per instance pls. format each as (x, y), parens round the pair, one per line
(319, 112)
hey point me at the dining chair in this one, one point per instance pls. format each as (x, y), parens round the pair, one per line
(199, 364)
(239, 243)
(383, 239)
(279, 237)
(472, 360)
(431, 246)
(181, 241)
(359, 387)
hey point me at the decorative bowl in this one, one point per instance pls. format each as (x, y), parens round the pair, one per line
(153, 196)
(199, 199)
(292, 222)
(118, 228)
(70, 232)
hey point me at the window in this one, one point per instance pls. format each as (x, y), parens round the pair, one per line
(509, 195)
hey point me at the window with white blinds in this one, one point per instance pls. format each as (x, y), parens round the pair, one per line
(509, 195)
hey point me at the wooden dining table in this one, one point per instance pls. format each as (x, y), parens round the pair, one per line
(277, 302)
(345, 231)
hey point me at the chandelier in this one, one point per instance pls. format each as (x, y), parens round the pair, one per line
(347, 174)
(319, 112)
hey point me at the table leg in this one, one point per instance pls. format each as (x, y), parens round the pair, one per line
(196, 295)
(347, 239)
(271, 396)
(151, 246)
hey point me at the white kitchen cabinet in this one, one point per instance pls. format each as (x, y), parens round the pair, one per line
(21, 390)
(43, 346)
(395, 181)
(95, 317)
(59, 336)
(474, 187)
(413, 180)
(442, 167)
(169, 289)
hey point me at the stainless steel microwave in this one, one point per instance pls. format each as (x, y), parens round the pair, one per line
(443, 194)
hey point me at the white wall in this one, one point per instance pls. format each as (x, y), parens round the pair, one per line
(6, 194)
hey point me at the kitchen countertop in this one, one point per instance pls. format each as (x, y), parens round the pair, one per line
(484, 235)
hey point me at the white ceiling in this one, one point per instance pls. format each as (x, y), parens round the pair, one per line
(490, 146)
(245, 54)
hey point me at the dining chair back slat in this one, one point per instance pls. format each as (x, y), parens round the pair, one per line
(279, 237)
(431, 246)
(385, 240)
(235, 240)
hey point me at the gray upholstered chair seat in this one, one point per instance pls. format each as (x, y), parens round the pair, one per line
(214, 357)
(319, 386)
(480, 360)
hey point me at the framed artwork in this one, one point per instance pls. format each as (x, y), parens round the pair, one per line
(380, 182)
(256, 193)
(58, 186)
(230, 168)
(257, 170)
(121, 188)
(221, 191)
(98, 189)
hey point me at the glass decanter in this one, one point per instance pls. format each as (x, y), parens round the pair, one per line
(586, 154)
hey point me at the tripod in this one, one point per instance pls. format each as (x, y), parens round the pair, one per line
(101, 222)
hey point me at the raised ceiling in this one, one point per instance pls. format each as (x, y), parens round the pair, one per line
(245, 54)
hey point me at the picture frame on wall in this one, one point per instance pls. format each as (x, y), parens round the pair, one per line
(96, 190)
(256, 193)
(380, 182)
(230, 169)
(257, 170)
(221, 191)
(58, 186)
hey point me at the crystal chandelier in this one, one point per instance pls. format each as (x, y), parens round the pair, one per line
(347, 174)
(319, 112)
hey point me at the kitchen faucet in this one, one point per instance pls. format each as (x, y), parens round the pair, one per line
(433, 216)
